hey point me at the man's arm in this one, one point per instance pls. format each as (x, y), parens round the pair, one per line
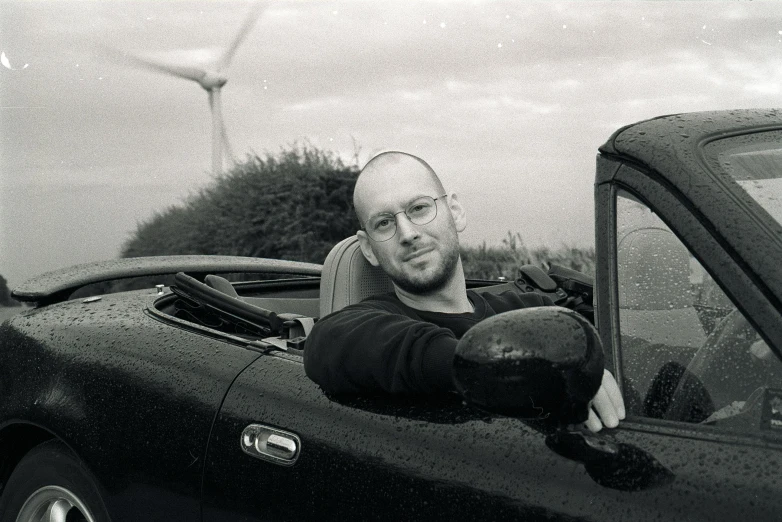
(374, 347)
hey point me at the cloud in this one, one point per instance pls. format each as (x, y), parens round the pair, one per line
(765, 88)
(515, 126)
(420, 95)
(568, 84)
(318, 104)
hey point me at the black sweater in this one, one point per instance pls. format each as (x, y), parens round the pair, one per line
(383, 345)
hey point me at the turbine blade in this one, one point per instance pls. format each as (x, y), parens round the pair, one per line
(188, 73)
(244, 30)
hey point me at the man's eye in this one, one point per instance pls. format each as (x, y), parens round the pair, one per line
(382, 224)
(418, 208)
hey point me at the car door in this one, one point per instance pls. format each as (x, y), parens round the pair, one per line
(436, 459)
(373, 458)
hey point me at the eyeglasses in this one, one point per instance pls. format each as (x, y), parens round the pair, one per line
(382, 227)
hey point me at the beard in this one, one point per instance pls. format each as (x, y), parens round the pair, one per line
(423, 284)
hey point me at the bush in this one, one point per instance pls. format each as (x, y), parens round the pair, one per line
(294, 206)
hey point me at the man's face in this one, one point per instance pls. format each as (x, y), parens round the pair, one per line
(419, 259)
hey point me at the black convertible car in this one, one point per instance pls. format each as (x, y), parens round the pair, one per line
(189, 401)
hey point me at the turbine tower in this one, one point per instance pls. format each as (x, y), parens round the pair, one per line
(211, 79)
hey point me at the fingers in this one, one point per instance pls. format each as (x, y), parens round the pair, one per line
(607, 407)
(614, 394)
(593, 424)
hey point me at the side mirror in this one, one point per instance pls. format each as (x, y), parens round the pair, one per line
(544, 363)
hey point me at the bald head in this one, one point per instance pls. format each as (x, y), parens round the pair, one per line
(390, 171)
(421, 256)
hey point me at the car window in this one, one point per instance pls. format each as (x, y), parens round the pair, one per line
(687, 353)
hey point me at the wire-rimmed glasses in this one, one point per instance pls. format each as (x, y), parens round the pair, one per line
(382, 227)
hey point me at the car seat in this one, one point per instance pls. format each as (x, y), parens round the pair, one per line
(655, 295)
(659, 324)
(348, 277)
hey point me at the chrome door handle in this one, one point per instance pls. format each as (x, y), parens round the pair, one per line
(271, 444)
(285, 446)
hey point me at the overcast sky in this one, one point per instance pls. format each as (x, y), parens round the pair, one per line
(508, 101)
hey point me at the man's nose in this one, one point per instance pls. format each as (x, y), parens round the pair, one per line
(405, 228)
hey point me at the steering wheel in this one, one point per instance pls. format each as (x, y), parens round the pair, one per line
(729, 368)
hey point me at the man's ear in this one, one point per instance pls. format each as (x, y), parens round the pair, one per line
(366, 248)
(458, 213)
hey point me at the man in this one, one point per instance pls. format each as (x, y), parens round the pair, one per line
(404, 342)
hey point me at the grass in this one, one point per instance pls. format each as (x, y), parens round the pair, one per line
(484, 262)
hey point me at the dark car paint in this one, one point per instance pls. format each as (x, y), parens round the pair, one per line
(374, 457)
(378, 459)
(155, 386)
(132, 396)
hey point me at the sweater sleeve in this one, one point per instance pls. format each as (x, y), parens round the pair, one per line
(374, 347)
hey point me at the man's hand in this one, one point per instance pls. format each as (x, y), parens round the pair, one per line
(607, 407)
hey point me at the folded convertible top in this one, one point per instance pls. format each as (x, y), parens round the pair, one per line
(59, 284)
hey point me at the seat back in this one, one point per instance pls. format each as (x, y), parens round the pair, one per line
(659, 326)
(348, 277)
(655, 296)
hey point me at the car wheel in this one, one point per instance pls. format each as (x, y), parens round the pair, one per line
(51, 484)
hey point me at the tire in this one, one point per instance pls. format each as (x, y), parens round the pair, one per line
(50, 477)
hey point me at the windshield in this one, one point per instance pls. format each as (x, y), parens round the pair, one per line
(758, 170)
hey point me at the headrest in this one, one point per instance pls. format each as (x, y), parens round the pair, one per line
(348, 277)
(654, 271)
(655, 298)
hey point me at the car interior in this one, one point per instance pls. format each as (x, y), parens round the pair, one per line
(687, 351)
(281, 312)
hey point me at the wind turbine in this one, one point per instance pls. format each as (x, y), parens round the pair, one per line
(210, 79)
